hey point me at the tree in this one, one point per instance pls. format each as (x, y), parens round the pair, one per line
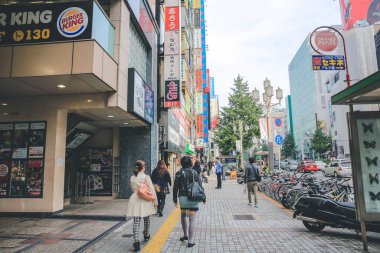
(289, 147)
(321, 142)
(240, 107)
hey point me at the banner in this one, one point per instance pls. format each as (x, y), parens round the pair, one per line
(172, 20)
(356, 13)
(263, 128)
(328, 62)
(199, 126)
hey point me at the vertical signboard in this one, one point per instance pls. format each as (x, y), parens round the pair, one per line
(212, 87)
(172, 54)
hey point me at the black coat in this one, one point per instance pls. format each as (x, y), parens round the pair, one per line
(183, 178)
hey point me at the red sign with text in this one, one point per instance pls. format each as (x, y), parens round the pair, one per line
(172, 18)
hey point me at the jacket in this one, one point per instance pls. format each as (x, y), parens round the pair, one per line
(163, 182)
(183, 178)
(251, 172)
(138, 207)
(197, 169)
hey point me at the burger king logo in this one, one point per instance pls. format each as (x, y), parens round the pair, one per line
(72, 22)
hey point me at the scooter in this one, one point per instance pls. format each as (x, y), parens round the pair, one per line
(240, 176)
(316, 212)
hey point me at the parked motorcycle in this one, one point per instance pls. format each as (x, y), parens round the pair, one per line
(317, 212)
(240, 176)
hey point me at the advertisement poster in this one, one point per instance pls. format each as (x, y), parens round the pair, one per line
(100, 183)
(369, 141)
(20, 139)
(356, 13)
(149, 104)
(18, 178)
(5, 171)
(5, 140)
(98, 164)
(34, 178)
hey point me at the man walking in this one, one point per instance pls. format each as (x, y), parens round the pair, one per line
(218, 171)
(251, 179)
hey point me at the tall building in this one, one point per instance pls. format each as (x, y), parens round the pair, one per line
(308, 99)
(78, 88)
(362, 62)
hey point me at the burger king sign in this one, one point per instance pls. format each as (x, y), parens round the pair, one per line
(72, 22)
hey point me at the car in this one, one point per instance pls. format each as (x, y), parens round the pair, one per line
(283, 164)
(291, 166)
(307, 166)
(321, 165)
(339, 169)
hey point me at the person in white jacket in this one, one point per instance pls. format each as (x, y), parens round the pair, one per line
(140, 208)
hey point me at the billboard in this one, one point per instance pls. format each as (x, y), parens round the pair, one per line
(357, 13)
(328, 62)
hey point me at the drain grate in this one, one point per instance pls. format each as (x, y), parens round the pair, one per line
(243, 217)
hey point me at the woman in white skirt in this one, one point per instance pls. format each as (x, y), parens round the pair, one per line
(139, 208)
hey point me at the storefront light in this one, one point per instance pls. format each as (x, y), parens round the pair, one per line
(5, 113)
(4, 104)
(111, 116)
(89, 100)
(61, 86)
(125, 123)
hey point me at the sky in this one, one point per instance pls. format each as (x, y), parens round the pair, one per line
(258, 39)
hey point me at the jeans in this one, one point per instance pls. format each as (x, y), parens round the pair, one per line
(161, 196)
(219, 177)
(252, 187)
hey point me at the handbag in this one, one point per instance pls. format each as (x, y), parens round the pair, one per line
(258, 177)
(166, 190)
(157, 187)
(145, 192)
(195, 191)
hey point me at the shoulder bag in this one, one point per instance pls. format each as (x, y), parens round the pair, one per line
(195, 191)
(258, 177)
(145, 192)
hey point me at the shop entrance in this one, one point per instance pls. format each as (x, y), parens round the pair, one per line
(89, 160)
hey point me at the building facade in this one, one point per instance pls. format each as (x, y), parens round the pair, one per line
(308, 99)
(78, 88)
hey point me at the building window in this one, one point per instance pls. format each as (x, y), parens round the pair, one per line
(138, 54)
(336, 77)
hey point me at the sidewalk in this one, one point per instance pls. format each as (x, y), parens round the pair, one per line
(227, 224)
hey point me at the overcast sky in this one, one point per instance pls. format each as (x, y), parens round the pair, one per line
(258, 38)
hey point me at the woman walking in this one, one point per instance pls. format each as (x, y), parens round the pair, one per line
(161, 180)
(140, 208)
(183, 178)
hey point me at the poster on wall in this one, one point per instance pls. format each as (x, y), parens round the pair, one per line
(5, 140)
(149, 104)
(357, 13)
(99, 164)
(5, 171)
(18, 178)
(369, 146)
(21, 176)
(34, 178)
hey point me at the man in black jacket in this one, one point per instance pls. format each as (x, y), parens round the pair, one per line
(251, 179)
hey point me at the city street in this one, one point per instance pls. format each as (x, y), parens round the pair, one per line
(225, 224)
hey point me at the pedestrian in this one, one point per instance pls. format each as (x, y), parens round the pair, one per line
(197, 167)
(189, 208)
(161, 181)
(218, 171)
(251, 179)
(140, 208)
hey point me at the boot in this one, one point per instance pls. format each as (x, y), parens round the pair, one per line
(146, 237)
(136, 245)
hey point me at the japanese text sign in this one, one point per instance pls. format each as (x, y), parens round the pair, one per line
(328, 62)
(172, 94)
(172, 18)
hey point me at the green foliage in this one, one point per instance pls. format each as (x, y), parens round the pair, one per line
(321, 142)
(289, 147)
(240, 107)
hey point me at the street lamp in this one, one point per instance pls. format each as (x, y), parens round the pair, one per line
(267, 97)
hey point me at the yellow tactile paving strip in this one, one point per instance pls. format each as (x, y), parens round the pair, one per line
(287, 211)
(159, 239)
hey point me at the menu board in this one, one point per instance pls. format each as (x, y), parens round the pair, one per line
(22, 147)
(98, 165)
(369, 147)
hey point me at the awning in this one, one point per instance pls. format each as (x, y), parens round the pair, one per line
(366, 91)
